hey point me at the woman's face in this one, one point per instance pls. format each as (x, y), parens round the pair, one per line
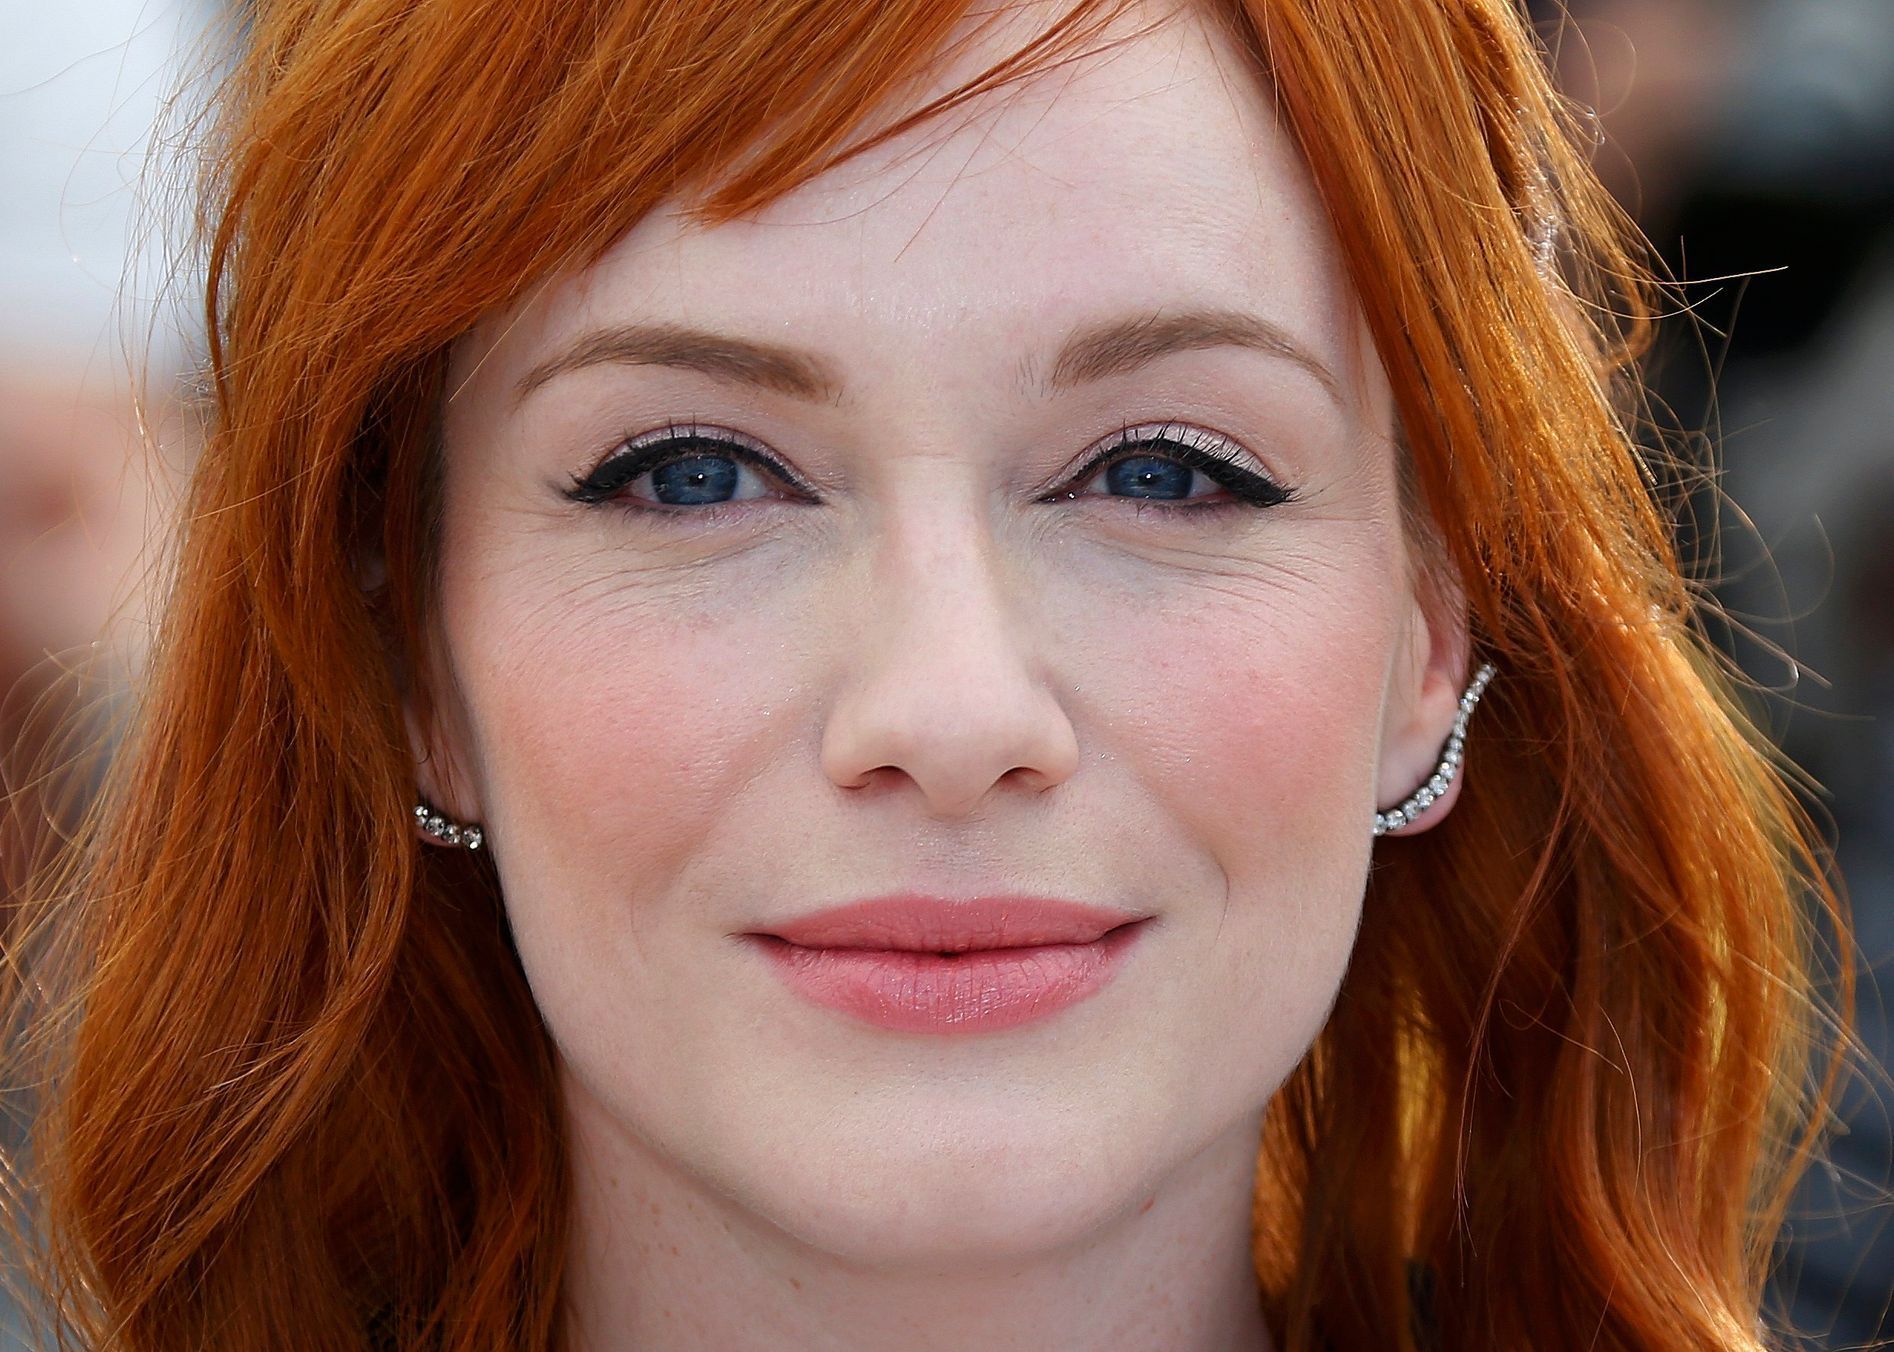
(884, 624)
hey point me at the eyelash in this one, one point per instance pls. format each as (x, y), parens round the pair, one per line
(637, 455)
(1195, 448)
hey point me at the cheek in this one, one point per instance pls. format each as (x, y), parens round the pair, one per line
(1290, 761)
(1257, 751)
(1261, 724)
(613, 737)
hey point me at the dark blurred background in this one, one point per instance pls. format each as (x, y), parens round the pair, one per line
(1754, 142)
(1752, 139)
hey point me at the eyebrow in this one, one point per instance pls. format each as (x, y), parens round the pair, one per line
(1094, 352)
(742, 360)
(1115, 346)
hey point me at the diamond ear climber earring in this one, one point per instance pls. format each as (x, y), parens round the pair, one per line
(443, 831)
(1436, 786)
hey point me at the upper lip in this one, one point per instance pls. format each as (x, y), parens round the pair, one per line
(927, 924)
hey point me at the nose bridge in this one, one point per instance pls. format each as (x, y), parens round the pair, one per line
(945, 601)
(944, 681)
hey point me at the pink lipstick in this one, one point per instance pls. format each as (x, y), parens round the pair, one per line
(923, 964)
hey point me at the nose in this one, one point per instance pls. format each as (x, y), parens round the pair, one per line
(944, 688)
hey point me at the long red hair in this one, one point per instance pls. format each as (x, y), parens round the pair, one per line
(295, 1090)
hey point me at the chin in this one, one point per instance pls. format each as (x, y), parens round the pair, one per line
(971, 1198)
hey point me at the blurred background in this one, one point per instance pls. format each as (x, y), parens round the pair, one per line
(1754, 142)
(94, 187)
(93, 96)
(1752, 139)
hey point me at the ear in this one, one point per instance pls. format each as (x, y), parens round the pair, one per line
(425, 684)
(436, 731)
(1431, 672)
(435, 737)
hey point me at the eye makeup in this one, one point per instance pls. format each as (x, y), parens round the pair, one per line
(704, 462)
(1217, 457)
(639, 455)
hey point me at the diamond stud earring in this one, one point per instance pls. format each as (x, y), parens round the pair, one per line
(443, 831)
(1436, 786)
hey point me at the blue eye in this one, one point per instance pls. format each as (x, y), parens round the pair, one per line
(1164, 462)
(1150, 476)
(694, 479)
(684, 466)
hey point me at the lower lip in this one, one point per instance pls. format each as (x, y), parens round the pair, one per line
(975, 992)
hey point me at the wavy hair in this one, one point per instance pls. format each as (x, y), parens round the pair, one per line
(294, 1090)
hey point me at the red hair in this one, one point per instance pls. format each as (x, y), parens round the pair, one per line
(298, 1092)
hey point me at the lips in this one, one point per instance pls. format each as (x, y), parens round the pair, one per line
(929, 965)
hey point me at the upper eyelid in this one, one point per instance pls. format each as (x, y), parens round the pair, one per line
(1234, 457)
(748, 447)
(1089, 461)
(1138, 434)
(681, 431)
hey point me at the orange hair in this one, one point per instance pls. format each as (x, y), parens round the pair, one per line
(296, 1090)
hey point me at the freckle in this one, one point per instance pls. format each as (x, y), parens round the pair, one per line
(796, 1282)
(656, 1210)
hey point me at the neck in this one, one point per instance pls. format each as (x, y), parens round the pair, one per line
(660, 1261)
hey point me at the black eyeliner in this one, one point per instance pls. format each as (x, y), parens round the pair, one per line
(626, 463)
(1248, 487)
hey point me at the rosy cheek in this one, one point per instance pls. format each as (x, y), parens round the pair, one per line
(611, 749)
(1258, 731)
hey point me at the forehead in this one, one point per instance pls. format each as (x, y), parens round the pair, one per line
(1152, 172)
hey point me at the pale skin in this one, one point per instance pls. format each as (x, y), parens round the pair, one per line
(932, 660)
